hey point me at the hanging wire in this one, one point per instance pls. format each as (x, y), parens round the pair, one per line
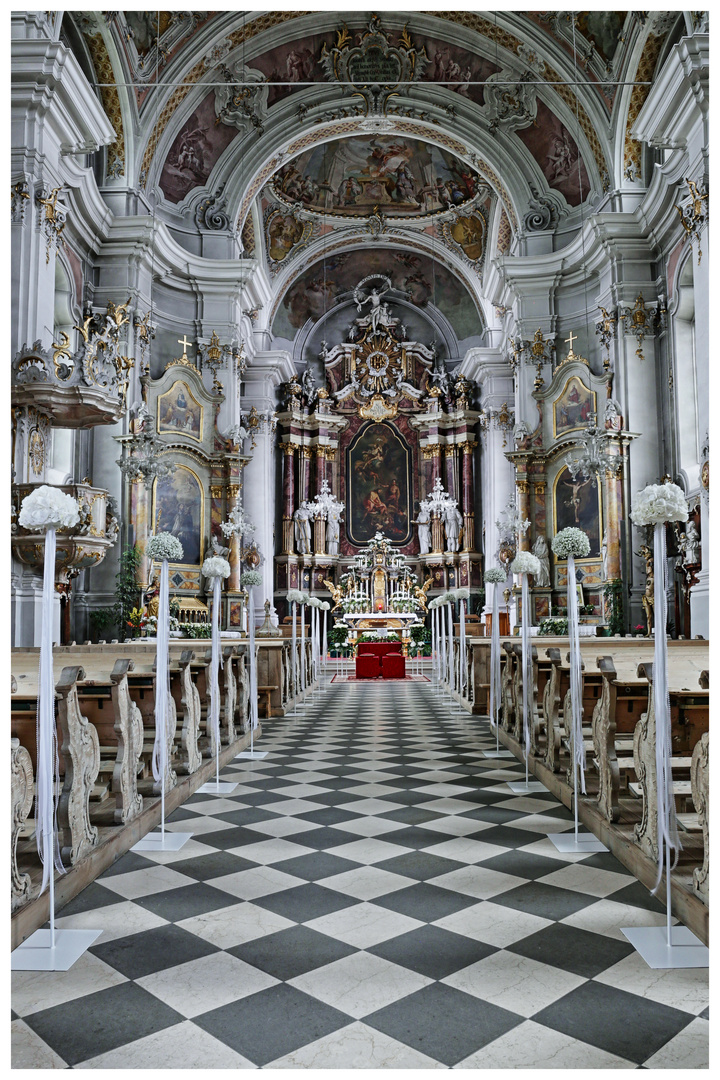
(580, 189)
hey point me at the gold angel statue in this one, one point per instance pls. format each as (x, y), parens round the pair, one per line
(421, 594)
(337, 593)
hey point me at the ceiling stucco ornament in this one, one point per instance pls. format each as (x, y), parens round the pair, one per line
(375, 65)
(510, 100)
(242, 100)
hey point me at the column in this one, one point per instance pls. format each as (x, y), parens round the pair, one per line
(435, 466)
(468, 503)
(523, 502)
(288, 539)
(320, 468)
(450, 459)
(306, 459)
(613, 510)
(233, 582)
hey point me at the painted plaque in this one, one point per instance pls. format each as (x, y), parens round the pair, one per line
(378, 485)
(179, 411)
(577, 504)
(574, 406)
(179, 510)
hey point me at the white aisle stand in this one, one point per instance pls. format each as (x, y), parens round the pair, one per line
(294, 664)
(216, 786)
(522, 787)
(162, 841)
(575, 841)
(53, 949)
(252, 754)
(671, 946)
(495, 678)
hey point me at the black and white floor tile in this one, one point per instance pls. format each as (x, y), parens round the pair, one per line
(370, 896)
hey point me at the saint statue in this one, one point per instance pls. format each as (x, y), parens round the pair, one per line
(424, 528)
(692, 545)
(303, 536)
(333, 529)
(540, 551)
(453, 523)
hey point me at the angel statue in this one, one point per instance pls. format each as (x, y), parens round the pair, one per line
(421, 594)
(336, 591)
(378, 313)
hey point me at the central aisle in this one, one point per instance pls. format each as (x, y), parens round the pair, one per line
(372, 895)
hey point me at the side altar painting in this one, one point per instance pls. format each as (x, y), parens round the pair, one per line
(179, 411)
(378, 485)
(577, 504)
(574, 406)
(178, 509)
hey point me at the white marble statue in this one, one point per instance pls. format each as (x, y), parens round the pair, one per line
(333, 530)
(424, 529)
(605, 555)
(303, 536)
(540, 550)
(692, 545)
(453, 523)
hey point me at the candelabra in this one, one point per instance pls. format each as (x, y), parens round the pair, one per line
(592, 458)
(142, 452)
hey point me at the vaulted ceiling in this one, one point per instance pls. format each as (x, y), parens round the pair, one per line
(446, 136)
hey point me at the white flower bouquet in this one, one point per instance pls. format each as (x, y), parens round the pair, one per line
(525, 563)
(494, 576)
(450, 597)
(569, 542)
(216, 566)
(657, 503)
(250, 578)
(463, 593)
(325, 605)
(48, 508)
(164, 546)
(295, 596)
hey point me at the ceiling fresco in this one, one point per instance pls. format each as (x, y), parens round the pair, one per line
(351, 177)
(195, 150)
(556, 152)
(419, 279)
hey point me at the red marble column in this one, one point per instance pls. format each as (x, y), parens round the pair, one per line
(320, 468)
(306, 460)
(468, 502)
(288, 497)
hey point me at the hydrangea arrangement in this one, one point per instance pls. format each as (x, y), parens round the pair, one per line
(250, 578)
(525, 563)
(569, 542)
(450, 597)
(295, 596)
(164, 546)
(657, 503)
(325, 605)
(462, 594)
(48, 508)
(216, 566)
(494, 576)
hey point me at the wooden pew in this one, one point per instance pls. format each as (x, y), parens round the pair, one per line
(508, 701)
(21, 800)
(700, 780)
(81, 752)
(556, 687)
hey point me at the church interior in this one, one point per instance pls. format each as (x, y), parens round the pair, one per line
(327, 330)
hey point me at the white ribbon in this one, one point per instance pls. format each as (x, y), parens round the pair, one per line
(294, 651)
(215, 664)
(325, 643)
(433, 663)
(494, 659)
(463, 657)
(47, 747)
(575, 672)
(451, 648)
(303, 658)
(526, 661)
(253, 661)
(162, 679)
(666, 820)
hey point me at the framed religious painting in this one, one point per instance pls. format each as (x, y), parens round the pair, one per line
(379, 485)
(578, 504)
(178, 508)
(574, 408)
(179, 411)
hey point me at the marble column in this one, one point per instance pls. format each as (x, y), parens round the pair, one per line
(523, 502)
(288, 541)
(468, 503)
(233, 582)
(306, 464)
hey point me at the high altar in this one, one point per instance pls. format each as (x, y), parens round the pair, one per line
(383, 428)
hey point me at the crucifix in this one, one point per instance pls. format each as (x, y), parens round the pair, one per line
(569, 341)
(184, 342)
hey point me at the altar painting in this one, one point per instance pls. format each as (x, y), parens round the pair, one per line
(178, 509)
(378, 485)
(179, 411)
(574, 407)
(577, 505)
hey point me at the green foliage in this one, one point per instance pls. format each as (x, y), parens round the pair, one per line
(553, 628)
(614, 602)
(337, 635)
(100, 620)
(113, 621)
(195, 630)
(421, 635)
(374, 636)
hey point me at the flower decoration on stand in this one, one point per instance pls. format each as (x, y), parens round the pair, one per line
(495, 576)
(163, 548)
(249, 579)
(523, 564)
(47, 509)
(295, 597)
(462, 595)
(654, 506)
(574, 544)
(215, 568)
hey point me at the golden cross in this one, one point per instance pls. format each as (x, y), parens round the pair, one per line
(573, 337)
(184, 342)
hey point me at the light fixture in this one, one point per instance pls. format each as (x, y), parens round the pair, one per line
(143, 452)
(591, 458)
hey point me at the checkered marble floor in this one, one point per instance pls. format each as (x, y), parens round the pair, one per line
(371, 896)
